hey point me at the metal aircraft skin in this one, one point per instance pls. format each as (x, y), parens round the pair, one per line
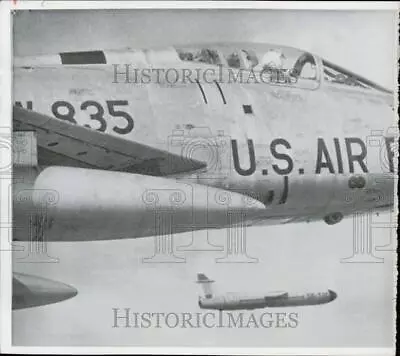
(117, 141)
(102, 142)
(32, 291)
(232, 301)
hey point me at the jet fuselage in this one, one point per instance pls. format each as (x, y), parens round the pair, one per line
(300, 148)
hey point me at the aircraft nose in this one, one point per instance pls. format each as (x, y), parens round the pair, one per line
(332, 295)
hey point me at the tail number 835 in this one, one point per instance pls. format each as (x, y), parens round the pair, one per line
(64, 110)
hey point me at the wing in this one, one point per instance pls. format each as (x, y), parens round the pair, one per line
(65, 144)
(32, 291)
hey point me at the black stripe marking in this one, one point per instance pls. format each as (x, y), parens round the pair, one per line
(268, 198)
(91, 57)
(285, 190)
(221, 92)
(247, 109)
(202, 91)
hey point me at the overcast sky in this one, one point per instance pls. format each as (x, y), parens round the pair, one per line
(296, 257)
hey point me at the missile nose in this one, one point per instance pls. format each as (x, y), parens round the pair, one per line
(332, 295)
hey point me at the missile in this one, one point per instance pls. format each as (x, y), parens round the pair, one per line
(272, 300)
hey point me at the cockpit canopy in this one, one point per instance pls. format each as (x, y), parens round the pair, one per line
(291, 66)
(336, 75)
(286, 65)
(246, 58)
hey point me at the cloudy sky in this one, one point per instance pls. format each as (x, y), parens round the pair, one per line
(300, 257)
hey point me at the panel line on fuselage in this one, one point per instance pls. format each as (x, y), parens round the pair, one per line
(202, 92)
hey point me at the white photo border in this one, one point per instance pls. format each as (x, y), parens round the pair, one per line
(6, 50)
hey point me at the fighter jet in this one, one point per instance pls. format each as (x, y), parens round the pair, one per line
(249, 302)
(210, 135)
(114, 136)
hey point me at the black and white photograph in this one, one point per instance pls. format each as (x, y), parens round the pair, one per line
(215, 177)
